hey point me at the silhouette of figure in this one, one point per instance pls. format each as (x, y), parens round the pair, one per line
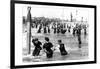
(39, 30)
(45, 31)
(47, 46)
(79, 37)
(37, 45)
(62, 48)
(48, 29)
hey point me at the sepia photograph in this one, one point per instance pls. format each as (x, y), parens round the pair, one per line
(48, 34)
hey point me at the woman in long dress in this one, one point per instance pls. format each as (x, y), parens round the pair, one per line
(47, 47)
(37, 45)
(62, 48)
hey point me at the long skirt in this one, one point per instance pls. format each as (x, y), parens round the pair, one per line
(63, 52)
(49, 54)
(55, 30)
(36, 52)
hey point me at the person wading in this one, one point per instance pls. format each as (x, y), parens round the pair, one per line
(47, 47)
(62, 48)
(37, 45)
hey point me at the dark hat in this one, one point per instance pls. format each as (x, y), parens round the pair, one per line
(46, 38)
(59, 41)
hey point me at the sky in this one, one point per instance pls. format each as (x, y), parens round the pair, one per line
(56, 12)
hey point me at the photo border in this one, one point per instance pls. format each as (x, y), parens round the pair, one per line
(12, 33)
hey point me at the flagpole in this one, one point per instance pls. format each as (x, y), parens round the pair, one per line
(29, 30)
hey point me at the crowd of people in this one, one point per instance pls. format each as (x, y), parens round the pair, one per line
(61, 28)
(47, 47)
(57, 28)
(43, 24)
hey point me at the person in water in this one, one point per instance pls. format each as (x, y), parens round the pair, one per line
(48, 48)
(37, 45)
(62, 48)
